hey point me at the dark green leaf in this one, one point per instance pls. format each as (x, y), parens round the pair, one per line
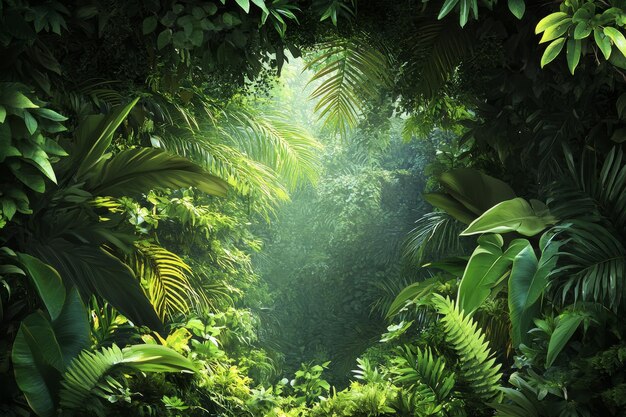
(565, 328)
(47, 282)
(149, 25)
(517, 7)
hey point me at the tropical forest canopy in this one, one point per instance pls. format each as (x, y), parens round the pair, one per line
(312, 208)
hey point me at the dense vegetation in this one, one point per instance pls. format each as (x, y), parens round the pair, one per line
(221, 208)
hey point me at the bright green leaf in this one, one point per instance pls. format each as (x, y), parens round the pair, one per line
(603, 42)
(486, 268)
(515, 215)
(550, 20)
(617, 37)
(573, 52)
(244, 4)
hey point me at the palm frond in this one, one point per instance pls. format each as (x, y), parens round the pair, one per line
(437, 50)
(274, 140)
(164, 276)
(242, 173)
(352, 71)
(87, 379)
(591, 266)
(435, 234)
(604, 182)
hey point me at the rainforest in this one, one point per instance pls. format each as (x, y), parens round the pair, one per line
(312, 208)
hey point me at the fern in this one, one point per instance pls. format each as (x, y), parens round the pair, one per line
(422, 368)
(477, 366)
(352, 71)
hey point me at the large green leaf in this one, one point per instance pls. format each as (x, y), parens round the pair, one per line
(136, 171)
(451, 206)
(71, 328)
(47, 282)
(38, 363)
(414, 291)
(475, 190)
(90, 373)
(515, 215)
(567, 324)
(156, 358)
(93, 270)
(94, 135)
(469, 193)
(528, 280)
(486, 269)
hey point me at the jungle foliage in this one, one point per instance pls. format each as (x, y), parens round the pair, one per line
(179, 231)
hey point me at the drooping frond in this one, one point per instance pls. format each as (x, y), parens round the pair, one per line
(603, 181)
(351, 71)
(244, 174)
(436, 51)
(477, 366)
(164, 277)
(273, 139)
(88, 378)
(592, 204)
(434, 233)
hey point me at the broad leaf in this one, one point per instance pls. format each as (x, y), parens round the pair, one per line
(476, 191)
(156, 358)
(552, 51)
(515, 215)
(38, 363)
(568, 324)
(451, 206)
(71, 328)
(517, 7)
(47, 282)
(486, 268)
(412, 292)
(95, 271)
(94, 135)
(455, 265)
(528, 280)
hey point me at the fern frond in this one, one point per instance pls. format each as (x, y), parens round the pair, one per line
(477, 365)
(164, 275)
(421, 367)
(351, 71)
